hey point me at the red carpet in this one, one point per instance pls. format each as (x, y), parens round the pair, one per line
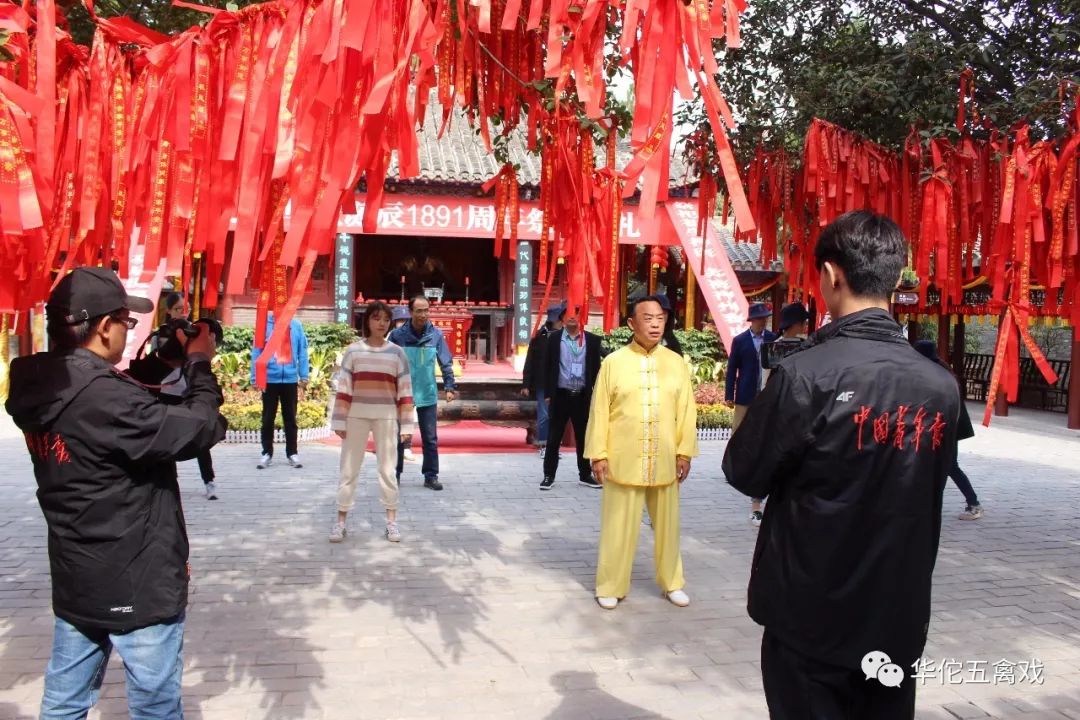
(470, 436)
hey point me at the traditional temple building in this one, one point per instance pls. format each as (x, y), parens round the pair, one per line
(436, 236)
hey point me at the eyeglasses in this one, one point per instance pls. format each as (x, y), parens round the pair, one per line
(129, 321)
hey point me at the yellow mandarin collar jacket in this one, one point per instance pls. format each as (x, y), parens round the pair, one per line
(643, 415)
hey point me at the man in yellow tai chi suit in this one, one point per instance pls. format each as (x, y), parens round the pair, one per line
(642, 433)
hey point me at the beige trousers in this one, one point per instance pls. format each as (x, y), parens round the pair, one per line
(353, 447)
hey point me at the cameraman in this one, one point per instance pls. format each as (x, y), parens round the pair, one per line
(104, 452)
(851, 441)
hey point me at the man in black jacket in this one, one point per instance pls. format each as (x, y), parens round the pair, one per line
(104, 451)
(571, 366)
(851, 440)
(534, 374)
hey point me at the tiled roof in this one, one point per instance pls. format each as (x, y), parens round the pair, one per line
(745, 256)
(459, 156)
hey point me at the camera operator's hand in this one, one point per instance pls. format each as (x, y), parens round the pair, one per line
(203, 343)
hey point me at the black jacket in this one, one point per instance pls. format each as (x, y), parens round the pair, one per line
(551, 362)
(534, 374)
(851, 440)
(104, 451)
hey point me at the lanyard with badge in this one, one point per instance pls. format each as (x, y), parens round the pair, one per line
(577, 349)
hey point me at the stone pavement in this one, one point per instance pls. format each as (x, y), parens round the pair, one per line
(486, 611)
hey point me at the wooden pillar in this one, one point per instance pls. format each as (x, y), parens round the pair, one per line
(1074, 382)
(691, 296)
(944, 320)
(629, 254)
(958, 350)
(912, 329)
(777, 300)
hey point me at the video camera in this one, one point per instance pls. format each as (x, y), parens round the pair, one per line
(166, 351)
(163, 341)
(773, 352)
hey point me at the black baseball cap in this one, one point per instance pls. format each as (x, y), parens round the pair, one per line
(90, 292)
(793, 314)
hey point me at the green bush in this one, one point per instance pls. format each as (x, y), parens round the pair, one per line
(321, 336)
(249, 417)
(237, 340)
(714, 416)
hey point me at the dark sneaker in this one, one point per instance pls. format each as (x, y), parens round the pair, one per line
(546, 483)
(433, 484)
(590, 482)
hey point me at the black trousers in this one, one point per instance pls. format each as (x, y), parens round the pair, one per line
(206, 466)
(801, 688)
(961, 479)
(286, 393)
(573, 408)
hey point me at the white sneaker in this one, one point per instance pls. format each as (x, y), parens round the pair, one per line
(338, 532)
(608, 603)
(755, 518)
(409, 456)
(211, 491)
(294, 461)
(264, 461)
(678, 598)
(392, 533)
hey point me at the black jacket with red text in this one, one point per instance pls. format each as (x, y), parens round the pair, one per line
(851, 441)
(104, 451)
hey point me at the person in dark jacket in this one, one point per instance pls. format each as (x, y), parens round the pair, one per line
(533, 375)
(973, 510)
(851, 441)
(571, 366)
(104, 451)
(744, 377)
(174, 385)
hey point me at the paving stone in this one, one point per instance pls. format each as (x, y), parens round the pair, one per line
(485, 609)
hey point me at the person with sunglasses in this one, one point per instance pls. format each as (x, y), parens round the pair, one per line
(104, 450)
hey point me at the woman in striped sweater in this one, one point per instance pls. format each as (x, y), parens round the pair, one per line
(374, 397)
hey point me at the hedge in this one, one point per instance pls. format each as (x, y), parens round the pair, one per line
(249, 417)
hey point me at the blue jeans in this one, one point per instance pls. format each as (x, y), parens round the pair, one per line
(153, 661)
(542, 419)
(428, 420)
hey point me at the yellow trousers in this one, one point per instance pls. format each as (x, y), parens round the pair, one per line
(620, 524)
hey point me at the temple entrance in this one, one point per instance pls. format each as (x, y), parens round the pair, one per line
(396, 267)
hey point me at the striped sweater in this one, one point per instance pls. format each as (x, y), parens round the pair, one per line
(373, 383)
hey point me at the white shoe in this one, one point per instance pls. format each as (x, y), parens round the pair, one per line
(678, 598)
(755, 518)
(409, 455)
(264, 461)
(608, 603)
(338, 532)
(294, 461)
(211, 491)
(392, 532)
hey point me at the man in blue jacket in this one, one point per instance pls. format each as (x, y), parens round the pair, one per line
(424, 344)
(283, 373)
(744, 377)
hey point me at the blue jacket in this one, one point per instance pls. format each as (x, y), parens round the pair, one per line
(744, 368)
(423, 349)
(296, 370)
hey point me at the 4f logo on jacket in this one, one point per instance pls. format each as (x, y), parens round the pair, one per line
(845, 396)
(47, 446)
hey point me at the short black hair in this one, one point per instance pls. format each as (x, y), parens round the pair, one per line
(869, 248)
(172, 299)
(375, 306)
(632, 310)
(66, 336)
(414, 298)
